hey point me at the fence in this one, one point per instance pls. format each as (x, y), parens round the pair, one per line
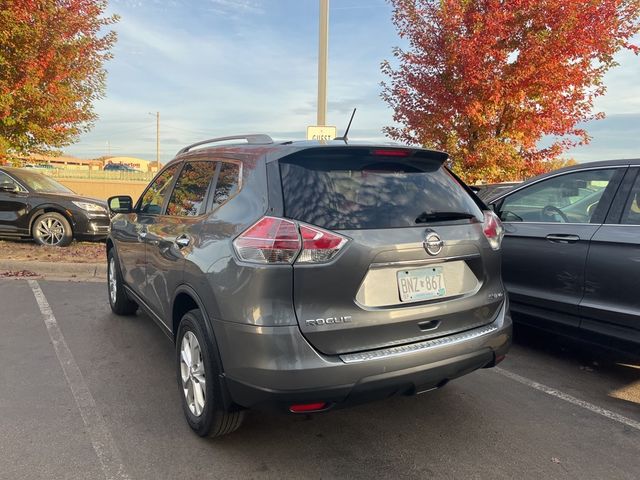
(109, 175)
(103, 189)
(100, 184)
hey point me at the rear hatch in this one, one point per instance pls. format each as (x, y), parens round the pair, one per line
(384, 288)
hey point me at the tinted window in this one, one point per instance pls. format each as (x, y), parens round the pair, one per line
(191, 188)
(631, 215)
(354, 190)
(227, 184)
(154, 197)
(569, 198)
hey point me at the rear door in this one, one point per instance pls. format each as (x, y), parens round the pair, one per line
(384, 288)
(169, 234)
(548, 227)
(612, 288)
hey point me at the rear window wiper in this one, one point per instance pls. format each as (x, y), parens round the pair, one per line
(425, 217)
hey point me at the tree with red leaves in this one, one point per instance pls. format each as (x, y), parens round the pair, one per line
(51, 71)
(486, 80)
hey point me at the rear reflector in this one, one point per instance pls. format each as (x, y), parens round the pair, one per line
(390, 152)
(273, 240)
(493, 229)
(270, 240)
(308, 407)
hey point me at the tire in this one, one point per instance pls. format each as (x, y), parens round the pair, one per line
(52, 229)
(207, 417)
(120, 303)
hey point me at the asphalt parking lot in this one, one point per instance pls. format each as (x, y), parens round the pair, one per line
(88, 395)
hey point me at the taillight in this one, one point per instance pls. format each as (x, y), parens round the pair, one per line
(270, 240)
(493, 230)
(319, 245)
(276, 240)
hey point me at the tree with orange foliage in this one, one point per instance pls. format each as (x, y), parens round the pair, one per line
(486, 80)
(51, 71)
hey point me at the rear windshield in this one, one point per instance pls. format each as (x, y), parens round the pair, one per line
(354, 189)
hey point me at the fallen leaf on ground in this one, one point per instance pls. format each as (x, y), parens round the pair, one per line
(77, 252)
(19, 273)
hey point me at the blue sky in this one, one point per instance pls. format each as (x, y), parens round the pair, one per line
(221, 67)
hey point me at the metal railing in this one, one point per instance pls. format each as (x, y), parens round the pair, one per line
(72, 174)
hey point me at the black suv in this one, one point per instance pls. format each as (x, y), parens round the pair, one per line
(308, 276)
(35, 206)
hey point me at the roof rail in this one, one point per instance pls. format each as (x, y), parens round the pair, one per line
(255, 139)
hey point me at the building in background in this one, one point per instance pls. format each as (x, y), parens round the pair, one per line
(65, 162)
(131, 162)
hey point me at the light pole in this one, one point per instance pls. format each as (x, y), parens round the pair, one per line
(323, 53)
(157, 115)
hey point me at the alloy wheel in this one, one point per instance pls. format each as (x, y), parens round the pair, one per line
(192, 373)
(50, 230)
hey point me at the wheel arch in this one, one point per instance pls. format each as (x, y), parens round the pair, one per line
(184, 300)
(109, 245)
(50, 208)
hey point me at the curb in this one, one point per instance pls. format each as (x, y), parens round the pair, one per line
(57, 269)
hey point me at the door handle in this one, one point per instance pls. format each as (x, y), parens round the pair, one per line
(183, 241)
(562, 238)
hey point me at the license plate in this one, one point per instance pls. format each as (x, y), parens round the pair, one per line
(421, 284)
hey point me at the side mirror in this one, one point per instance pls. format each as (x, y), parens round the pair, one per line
(120, 204)
(8, 187)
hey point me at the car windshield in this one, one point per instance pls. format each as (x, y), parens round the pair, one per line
(42, 183)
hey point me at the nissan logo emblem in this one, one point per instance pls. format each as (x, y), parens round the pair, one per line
(433, 244)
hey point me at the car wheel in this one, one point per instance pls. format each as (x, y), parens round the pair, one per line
(199, 381)
(52, 229)
(120, 303)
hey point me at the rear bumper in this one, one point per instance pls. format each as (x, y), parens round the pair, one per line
(274, 367)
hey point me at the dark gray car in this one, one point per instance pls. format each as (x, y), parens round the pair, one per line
(571, 250)
(303, 276)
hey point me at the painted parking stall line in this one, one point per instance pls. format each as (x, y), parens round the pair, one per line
(101, 439)
(569, 398)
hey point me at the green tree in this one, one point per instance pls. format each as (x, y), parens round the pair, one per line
(51, 71)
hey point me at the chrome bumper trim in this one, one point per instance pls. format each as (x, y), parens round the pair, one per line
(424, 261)
(417, 347)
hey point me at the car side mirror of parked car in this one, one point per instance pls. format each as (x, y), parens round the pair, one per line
(120, 204)
(8, 187)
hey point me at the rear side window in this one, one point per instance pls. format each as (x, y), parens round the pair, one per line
(352, 189)
(154, 197)
(631, 214)
(189, 194)
(227, 184)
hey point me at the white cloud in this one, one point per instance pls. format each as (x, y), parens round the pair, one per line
(244, 69)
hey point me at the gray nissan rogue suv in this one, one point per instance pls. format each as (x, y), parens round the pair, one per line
(306, 276)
